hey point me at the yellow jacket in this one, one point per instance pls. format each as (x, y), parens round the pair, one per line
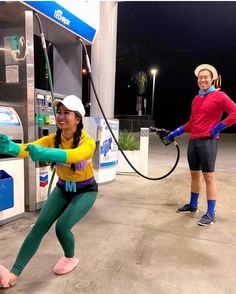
(80, 156)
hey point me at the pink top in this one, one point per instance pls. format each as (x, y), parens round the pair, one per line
(206, 113)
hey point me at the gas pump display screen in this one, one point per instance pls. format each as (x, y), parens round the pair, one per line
(8, 117)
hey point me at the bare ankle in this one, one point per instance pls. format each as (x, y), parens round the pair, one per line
(13, 279)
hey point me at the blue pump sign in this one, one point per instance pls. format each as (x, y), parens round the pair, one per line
(81, 18)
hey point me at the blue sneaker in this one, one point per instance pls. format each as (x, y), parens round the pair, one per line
(187, 209)
(207, 219)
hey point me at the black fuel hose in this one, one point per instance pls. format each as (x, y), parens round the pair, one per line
(99, 104)
(43, 42)
(113, 135)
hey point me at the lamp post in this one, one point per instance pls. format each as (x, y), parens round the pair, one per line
(153, 72)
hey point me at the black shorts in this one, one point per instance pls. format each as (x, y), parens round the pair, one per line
(202, 154)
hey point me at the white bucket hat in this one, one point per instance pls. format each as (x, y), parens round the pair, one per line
(72, 103)
(206, 67)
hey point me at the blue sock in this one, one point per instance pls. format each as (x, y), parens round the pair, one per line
(211, 206)
(194, 199)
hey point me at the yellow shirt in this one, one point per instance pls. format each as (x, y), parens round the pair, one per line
(81, 156)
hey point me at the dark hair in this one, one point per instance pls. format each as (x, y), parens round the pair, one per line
(77, 135)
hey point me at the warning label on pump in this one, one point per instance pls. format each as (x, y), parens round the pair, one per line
(12, 73)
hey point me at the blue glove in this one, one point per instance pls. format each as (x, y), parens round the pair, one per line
(217, 129)
(39, 153)
(7, 146)
(171, 136)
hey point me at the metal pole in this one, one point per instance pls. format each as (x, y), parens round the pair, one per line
(145, 106)
(153, 92)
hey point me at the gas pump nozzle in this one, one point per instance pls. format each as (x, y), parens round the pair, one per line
(162, 133)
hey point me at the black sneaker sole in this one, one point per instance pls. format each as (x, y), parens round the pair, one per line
(205, 225)
(178, 211)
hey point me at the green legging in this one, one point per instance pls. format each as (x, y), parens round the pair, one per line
(68, 210)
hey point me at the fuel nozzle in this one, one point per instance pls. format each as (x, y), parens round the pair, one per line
(162, 133)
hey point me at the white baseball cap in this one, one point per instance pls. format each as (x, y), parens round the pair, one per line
(72, 103)
(206, 67)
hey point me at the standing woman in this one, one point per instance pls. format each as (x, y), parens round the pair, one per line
(70, 150)
(204, 127)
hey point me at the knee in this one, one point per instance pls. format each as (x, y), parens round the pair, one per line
(196, 176)
(40, 227)
(61, 228)
(209, 178)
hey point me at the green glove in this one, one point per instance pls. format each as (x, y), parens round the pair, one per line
(39, 153)
(7, 146)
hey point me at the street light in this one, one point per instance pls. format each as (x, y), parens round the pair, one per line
(153, 72)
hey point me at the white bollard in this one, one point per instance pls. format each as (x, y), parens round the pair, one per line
(144, 147)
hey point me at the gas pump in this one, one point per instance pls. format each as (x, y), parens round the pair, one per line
(24, 79)
(11, 169)
(44, 125)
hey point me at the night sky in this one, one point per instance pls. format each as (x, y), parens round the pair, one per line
(175, 37)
